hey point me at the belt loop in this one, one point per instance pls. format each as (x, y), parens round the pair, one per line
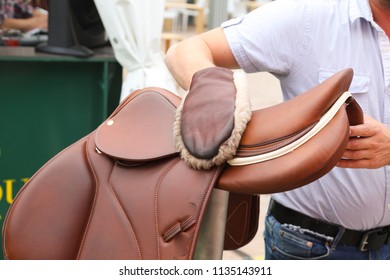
(337, 238)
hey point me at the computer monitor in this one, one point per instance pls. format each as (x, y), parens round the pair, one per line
(75, 28)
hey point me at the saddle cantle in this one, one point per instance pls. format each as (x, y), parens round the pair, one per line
(123, 191)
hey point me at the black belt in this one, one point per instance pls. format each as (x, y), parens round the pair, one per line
(365, 240)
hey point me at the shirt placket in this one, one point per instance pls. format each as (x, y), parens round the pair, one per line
(384, 45)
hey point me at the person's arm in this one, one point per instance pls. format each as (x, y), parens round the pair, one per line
(199, 52)
(16, 23)
(38, 20)
(213, 114)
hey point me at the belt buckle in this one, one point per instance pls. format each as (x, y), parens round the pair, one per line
(364, 240)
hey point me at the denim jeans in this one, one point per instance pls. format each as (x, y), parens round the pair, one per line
(289, 242)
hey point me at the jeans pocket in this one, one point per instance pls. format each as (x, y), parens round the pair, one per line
(289, 242)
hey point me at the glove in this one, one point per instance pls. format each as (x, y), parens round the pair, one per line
(211, 118)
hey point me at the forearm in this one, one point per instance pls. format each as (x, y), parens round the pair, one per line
(199, 52)
(38, 20)
(13, 23)
(186, 58)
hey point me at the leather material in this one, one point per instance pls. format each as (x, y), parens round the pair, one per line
(208, 112)
(242, 220)
(148, 134)
(212, 118)
(113, 203)
(124, 192)
(273, 125)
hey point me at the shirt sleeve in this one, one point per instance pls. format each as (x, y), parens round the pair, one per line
(271, 38)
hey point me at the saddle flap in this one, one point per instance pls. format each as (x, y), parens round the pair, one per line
(142, 130)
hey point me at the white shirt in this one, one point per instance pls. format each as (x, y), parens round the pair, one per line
(303, 42)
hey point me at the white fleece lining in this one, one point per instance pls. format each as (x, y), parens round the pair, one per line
(242, 115)
(325, 119)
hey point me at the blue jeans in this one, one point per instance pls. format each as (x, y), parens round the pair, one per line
(288, 242)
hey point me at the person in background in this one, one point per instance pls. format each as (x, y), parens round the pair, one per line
(21, 15)
(346, 213)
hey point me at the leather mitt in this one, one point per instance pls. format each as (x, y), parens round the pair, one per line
(212, 117)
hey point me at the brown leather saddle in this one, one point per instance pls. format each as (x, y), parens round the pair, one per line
(123, 191)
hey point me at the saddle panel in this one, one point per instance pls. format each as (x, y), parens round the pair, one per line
(242, 220)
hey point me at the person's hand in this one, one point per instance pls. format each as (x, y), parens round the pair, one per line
(368, 147)
(39, 20)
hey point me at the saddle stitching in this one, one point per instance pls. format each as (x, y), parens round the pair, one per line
(119, 205)
(203, 207)
(242, 204)
(156, 202)
(179, 227)
(94, 200)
